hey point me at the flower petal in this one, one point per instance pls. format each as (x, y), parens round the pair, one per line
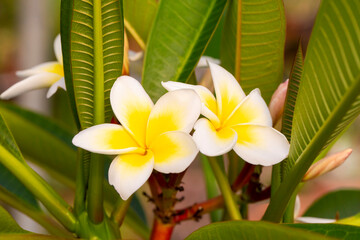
(315, 220)
(212, 142)
(173, 151)
(132, 106)
(57, 49)
(42, 80)
(50, 67)
(204, 60)
(59, 84)
(252, 110)
(106, 139)
(209, 105)
(128, 172)
(228, 91)
(261, 145)
(174, 111)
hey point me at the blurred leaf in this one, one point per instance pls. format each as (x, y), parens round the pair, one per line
(252, 47)
(139, 16)
(328, 98)
(342, 203)
(30, 236)
(92, 34)
(43, 141)
(8, 224)
(339, 231)
(7, 179)
(252, 231)
(180, 33)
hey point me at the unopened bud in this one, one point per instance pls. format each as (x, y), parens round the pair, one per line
(125, 69)
(277, 102)
(326, 164)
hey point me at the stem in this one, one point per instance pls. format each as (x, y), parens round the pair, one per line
(119, 212)
(35, 214)
(161, 231)
(225, 189)
(243, 177)
(275, 178)
(81, 182)
(95, 193)
(289, 212)
(235, 165)
(40, 188)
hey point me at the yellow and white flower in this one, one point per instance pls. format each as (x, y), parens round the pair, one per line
(235, 121)
(46, 75)
(150, 137)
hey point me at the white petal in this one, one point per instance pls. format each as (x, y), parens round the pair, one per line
(203, 62)
(106, 139)
(173, 152)
(128, 172)
(209, 105)
(132, 106)
(228, 91)
(41, 68)
(135, 56)
(261, 145)
(41, 80)
(174, 111)
(212, 142)
(315, 220)
(57, 49)
(252, 110)
(55, 86)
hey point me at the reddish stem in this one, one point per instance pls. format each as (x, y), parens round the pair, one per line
(161, 231)
(243, 178)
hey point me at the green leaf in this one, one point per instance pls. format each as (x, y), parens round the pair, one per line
(43, 141)
(339, 231)
(93, 44)
(180, 33)
(328, 98)
(252, 231)
(252, 47)
(139, 16)
(342, 204)
(8, 224)
(291, 95)
(7, 179)
(31, 236)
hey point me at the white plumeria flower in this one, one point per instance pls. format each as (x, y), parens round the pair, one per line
(235, 121)
(46, 75)
(150, 137)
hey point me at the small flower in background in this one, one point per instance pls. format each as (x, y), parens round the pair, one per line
(235, 121)
(46, 75)
(150, 137)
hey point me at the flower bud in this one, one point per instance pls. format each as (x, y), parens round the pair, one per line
(327, 164)
(277, 102)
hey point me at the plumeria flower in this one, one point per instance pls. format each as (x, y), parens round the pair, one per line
(235, 121)
(46, 75)
(150, 137)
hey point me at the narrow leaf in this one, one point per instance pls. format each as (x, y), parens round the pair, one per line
(328, 98)
(252, 47)
(93, 44)
(8, 224)
(180, 33)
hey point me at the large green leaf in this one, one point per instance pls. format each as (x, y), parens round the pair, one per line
(342, 204)
(7, 179)
(339, 231)
(30, 236)
(180, 33)
(92, 34)
(253, 44)
(139, 16)
(250, 230)
(43, 141)
(328, 98)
